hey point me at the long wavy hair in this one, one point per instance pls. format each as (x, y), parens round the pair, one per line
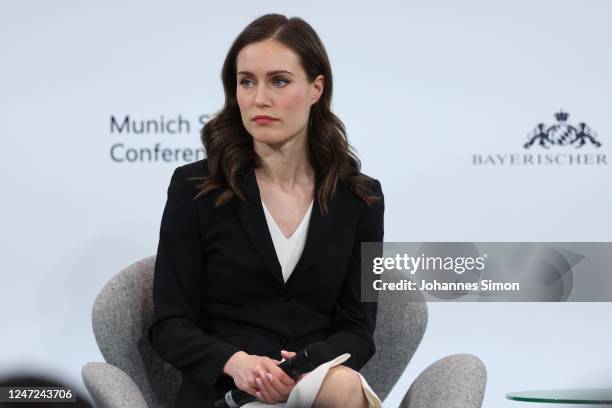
(229, 147)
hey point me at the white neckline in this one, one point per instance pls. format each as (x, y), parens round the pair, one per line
(299, 227)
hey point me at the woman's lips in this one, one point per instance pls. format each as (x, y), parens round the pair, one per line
(262, 121)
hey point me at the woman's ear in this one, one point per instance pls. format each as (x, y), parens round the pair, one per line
(317, 88)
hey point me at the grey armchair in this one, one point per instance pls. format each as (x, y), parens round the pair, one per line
(134, 375)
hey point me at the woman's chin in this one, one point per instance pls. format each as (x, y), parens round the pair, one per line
(269, 139)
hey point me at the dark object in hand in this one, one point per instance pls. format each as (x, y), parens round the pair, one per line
(294, 367)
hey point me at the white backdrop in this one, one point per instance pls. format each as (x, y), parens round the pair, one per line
(420, 87)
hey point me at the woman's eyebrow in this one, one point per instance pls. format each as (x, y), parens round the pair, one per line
(278, 71)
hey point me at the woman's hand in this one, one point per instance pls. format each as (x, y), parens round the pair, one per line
(259, 376)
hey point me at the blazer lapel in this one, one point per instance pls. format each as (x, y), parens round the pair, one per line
(318, 233)
(251, 214)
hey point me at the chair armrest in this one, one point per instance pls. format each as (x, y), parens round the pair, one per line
(456, 381)
(110, 387)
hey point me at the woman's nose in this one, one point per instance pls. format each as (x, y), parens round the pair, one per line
(261, 96)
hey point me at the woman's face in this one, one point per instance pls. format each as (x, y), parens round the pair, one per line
(271, 82)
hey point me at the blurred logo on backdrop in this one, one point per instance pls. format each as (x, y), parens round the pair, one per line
(562, 134)
(155, 140)
(559, 144)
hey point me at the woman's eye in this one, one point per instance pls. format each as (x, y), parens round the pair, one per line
(277, 80)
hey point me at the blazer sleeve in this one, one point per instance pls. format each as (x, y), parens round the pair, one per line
(354, 321)
(174, 332)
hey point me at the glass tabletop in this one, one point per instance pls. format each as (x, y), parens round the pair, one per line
(593, 396)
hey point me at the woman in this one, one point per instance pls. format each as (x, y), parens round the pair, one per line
(259, 249)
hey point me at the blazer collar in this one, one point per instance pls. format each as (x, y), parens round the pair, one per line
(251, 214)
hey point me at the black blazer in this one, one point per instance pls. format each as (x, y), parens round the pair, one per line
(218, 286)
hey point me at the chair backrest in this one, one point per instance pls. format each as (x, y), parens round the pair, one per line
(123, 312)
(401, 321)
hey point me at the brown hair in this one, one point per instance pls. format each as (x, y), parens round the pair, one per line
(229, 147)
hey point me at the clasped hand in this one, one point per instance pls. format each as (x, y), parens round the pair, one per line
(261, 376)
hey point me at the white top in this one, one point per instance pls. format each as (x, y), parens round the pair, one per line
(288, 250)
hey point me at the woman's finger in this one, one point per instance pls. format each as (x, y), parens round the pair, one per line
(261, 392)
(260, 397)
(252, 391)
(247, 385)
(281, 391)
(264, 388)
(278, 372)
(288, 354)
(275, 395)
